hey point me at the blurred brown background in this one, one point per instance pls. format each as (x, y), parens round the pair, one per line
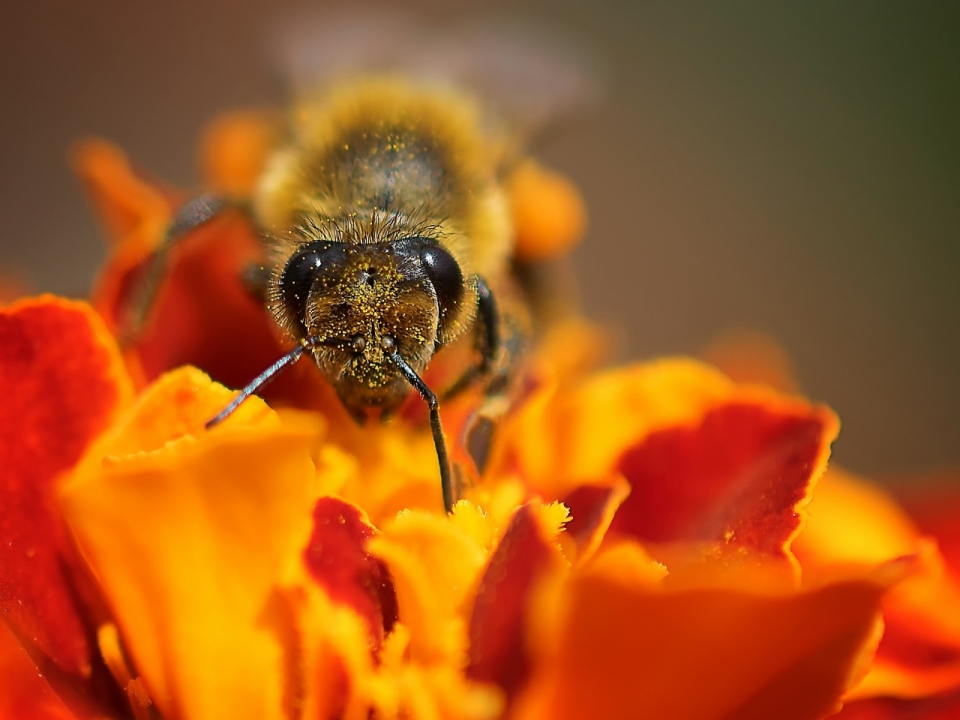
(792, 168)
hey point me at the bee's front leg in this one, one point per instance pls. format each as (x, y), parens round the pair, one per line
(189, 217)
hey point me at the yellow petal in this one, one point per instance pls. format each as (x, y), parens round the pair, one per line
(342, 681)
(851, 521)
(191, 536)
(563, 436)
(854, 523)
(435, 565)
(614, 409)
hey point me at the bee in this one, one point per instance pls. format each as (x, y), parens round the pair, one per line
(400, 229)
(387, 237)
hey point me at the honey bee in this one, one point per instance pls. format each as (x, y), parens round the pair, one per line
(387, 236)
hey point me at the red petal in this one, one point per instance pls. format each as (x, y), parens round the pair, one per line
(202, 310)
(592, 509)
(497, 649)
(942, 707)
(337, 558)
(61, 383)
(934, 504)
(24, 693)
(235, 149)
(738, 477)
(204, 316)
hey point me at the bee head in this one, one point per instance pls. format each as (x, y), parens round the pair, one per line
(364, 302)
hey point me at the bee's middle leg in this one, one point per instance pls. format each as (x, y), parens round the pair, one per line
(488, 341)
(500, 343)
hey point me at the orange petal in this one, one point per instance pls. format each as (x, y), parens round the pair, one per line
(133, 211)
(192, 538)
(920, 652)
(395, 468)
(135, 214)
(943, 707)
(855, 523)
(623, 647)
(549, 216)
(62, 384)
(234, 151)
(525, 555)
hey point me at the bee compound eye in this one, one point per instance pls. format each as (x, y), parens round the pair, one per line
(309, 264)
(358, 343)
(445, 275)
(388, 344)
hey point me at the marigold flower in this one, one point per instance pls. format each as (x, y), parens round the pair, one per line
(655, 540)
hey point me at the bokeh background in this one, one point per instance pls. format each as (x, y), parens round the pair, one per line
(790, 168)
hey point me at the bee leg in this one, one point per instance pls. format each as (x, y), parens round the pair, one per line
(262, 379)
(439, 443)
(490, 317)
(195, 213)
(481, 428)
(489, 341)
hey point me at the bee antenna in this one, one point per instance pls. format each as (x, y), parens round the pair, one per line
(431, 399)
(262, 379)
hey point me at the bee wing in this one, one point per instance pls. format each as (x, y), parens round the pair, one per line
(529, 79)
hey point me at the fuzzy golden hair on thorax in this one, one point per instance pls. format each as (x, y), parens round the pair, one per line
(393, 146)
